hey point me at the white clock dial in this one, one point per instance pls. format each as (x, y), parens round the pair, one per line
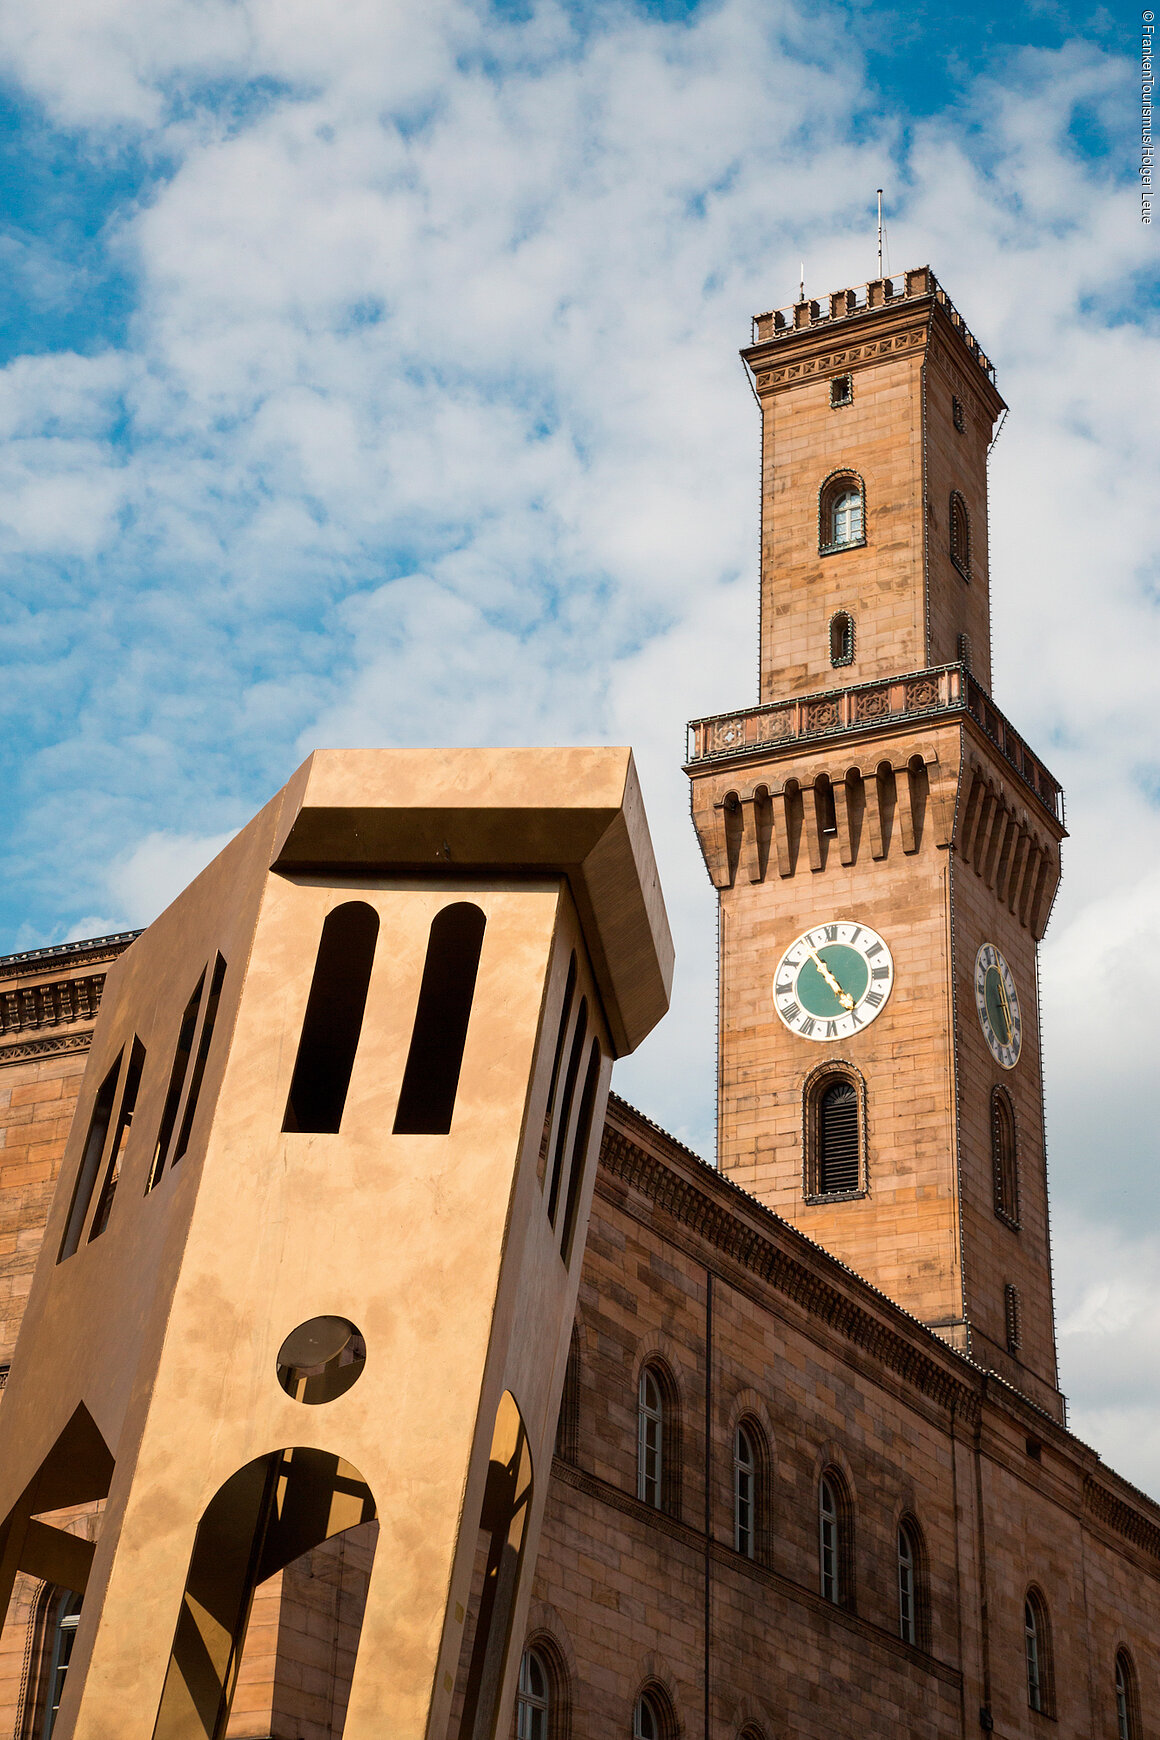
(833, 980)
(997, 1001)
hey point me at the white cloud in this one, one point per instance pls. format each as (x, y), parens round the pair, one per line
(430, 426)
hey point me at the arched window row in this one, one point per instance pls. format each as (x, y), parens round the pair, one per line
(854, 813)
(841, 513)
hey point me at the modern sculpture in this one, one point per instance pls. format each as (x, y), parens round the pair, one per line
(314, 1253)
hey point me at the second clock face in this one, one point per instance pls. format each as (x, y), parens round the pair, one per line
(833, 980)
(997, 1001)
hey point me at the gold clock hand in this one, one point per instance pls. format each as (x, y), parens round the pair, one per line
(843, 997)
(1006, 1010)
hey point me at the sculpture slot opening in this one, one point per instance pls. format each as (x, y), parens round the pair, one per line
(90, 1161)
(579, 1152)
(332, 1025)
(207, 1026)
(431, 1078)
(177, 1077)
(575, 1057)
(117, 1154)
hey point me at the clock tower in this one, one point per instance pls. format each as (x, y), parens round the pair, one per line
(885, 845)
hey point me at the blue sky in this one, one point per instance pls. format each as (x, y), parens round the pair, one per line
(369, 375)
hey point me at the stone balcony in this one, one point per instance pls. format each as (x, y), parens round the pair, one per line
(843, 305)
(868, 708)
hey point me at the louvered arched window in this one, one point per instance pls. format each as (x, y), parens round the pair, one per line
(1004, 1157)
(834, 1130)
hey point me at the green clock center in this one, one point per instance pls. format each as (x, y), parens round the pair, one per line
(996, 1001)
(817, 995)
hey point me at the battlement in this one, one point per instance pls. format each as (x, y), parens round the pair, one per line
(844, 305)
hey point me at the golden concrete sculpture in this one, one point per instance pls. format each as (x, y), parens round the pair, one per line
(315, 1250)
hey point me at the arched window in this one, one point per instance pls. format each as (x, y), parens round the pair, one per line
(960, 535)
(835, 1561)
(745, 1481)
(652, 1716)
(650, 1439)
(1127, 1701)
(1004, 1157)
(842, 638)
(841, 513)
(834, 1118)
(1037, 1647)
(64, 1636)
(909, 1583)
(534, 1705)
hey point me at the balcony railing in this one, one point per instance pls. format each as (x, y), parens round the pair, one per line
(878, 293)
(944, 689)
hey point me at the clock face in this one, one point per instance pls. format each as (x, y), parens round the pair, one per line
(833, 980)
(998, 1004)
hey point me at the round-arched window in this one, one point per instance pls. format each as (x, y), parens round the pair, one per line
(534, 1707)
(647, 1721)
(841, 513)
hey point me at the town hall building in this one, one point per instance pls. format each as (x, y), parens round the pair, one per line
(811, 1475)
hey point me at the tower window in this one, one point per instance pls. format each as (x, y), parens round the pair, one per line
(960, 535)
(1004, 1157)
(842, 638)
(834, 1118)
(957, 416)
(1011, 1313)
(842, 390)
(841, 514)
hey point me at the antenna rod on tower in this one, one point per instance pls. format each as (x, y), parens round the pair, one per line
(880, 232)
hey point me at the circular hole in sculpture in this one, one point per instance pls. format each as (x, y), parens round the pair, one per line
(321, 1359)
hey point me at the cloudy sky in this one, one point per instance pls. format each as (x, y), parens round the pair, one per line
(369, 375)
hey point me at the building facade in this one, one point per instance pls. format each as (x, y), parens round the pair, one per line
(812, 1473)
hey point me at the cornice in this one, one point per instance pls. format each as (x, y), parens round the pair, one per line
(738, 1240)
(55, 1043)
(1117, 1514)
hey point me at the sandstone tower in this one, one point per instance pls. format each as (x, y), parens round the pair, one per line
(885, 846)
